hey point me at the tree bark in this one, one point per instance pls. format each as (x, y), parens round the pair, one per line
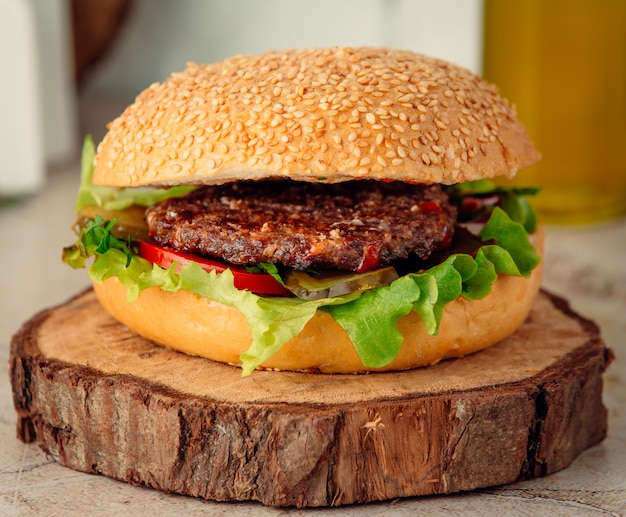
(100, 399)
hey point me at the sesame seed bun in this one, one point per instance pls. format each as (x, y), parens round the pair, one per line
(188, 323)
(316, 115)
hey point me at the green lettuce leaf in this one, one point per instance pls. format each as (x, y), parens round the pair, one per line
(371, 320)
(269, 268)
(96, 239)
(511, 237)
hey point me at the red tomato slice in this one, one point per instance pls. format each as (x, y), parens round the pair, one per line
(260, 283)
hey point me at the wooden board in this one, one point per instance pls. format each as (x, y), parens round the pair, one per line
(100, 399)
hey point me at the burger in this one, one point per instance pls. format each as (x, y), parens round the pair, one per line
(326, 210)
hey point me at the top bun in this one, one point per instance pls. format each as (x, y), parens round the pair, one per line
(322, 115)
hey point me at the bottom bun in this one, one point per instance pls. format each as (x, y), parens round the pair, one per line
(188, 323)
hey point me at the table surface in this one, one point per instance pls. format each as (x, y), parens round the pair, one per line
(585, 264)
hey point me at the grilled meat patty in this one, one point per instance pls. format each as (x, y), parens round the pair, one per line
(354, 226)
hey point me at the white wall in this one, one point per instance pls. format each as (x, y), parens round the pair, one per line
(162, 35)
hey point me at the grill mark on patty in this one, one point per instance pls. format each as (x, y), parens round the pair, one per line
(354, 226)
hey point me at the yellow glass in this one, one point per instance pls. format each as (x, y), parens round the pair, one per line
(563, 64)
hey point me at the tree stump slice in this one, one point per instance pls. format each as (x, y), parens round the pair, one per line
(100, 399)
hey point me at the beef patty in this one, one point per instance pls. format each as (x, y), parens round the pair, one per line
(355, 226)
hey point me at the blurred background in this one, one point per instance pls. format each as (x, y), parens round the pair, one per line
(69, 66)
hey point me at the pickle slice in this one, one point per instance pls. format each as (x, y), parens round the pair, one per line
(327, 285)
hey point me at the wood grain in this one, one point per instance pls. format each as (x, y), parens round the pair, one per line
(100, 399)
